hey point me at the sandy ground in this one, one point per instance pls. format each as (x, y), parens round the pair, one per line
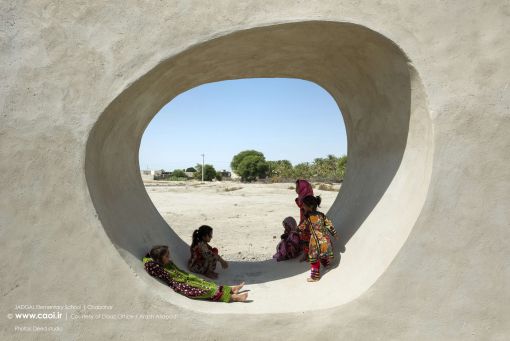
(246, 218)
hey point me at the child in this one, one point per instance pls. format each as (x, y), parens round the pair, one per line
(158, 264)
(288, 247)
(320, 249)
(303, 189)
(204, 257)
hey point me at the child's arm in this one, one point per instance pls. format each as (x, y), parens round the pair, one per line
(329, 225)
(224, 263)
(302, 226)
(218, 258)
(157, 271)
(207, 252)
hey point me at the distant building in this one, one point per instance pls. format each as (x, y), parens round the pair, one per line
(162, 174)
(190, 172)
(150, 174)
(225, 175)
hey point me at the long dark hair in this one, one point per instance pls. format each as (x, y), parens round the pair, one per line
(157, 252)
(198, 234)
(312, 202)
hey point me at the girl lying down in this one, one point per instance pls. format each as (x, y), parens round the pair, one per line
(158, 264)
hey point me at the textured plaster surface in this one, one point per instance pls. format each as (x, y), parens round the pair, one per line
(424, 90)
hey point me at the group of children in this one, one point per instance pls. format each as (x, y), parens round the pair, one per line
(311, 237)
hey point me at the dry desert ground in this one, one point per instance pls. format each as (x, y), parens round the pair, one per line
(246, 218)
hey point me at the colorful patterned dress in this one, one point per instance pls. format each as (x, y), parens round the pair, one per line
(187, 284)
(320, 227)
(203, 258)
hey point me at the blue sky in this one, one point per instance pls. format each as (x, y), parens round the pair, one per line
(284, 118)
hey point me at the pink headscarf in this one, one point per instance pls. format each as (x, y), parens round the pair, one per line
(304, 189)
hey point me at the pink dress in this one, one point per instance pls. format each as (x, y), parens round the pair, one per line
(288, 247)
(304, 189)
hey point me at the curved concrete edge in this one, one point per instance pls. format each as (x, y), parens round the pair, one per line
(390, 153)
(61, 64)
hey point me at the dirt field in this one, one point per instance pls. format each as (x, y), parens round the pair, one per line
(246, 218)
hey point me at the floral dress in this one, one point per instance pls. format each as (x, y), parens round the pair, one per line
(203, 258)
(321, 228)
(187, 284)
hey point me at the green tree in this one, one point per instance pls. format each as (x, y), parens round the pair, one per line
(209, 172)
(281, 169)
(218, 176)
(178, 173)
(303, 170)
(330, 168)
(342, 165)
(236, 160)
(326, 168)
(252, 167)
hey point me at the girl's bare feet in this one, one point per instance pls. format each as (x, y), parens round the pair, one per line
(237, 288)
(239, 297)
(310, 279)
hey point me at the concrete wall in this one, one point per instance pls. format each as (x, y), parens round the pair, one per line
(390, 152)
(424, 207)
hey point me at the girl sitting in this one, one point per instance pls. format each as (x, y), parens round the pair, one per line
(158, 264)
(204, 257)
(320, 249)
(288, 247)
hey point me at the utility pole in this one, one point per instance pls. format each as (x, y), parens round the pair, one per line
(203, 166)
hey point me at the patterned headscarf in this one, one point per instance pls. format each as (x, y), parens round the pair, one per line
(291, 223)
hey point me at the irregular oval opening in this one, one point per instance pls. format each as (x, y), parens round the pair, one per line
(390, 146)
(289, 120)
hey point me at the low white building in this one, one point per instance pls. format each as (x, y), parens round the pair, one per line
(149, 174)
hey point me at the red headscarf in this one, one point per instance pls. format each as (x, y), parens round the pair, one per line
(304, 189)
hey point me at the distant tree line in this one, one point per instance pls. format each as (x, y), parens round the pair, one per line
(192, 172)
(251, 165)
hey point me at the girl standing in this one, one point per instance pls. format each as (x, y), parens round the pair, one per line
(303, 189)
(158, 264)
(204, 257)
(320, 249)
